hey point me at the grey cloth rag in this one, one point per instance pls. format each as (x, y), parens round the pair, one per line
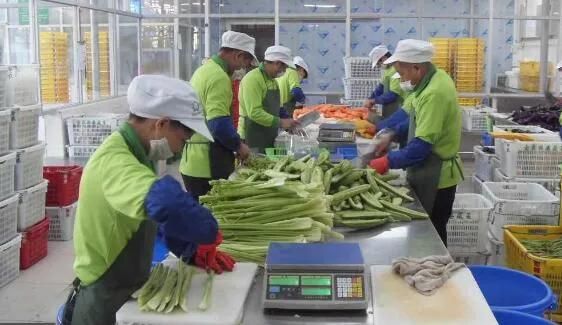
(426, 274)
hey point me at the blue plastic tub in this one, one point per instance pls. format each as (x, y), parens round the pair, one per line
(511, 317)
(509, 289)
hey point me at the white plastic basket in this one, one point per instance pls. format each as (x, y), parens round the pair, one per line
(22, 85)
(551, 184)
(529, 159)
(91, 130)
(496, 249)
(4, 76)
(360, 67)
(7, 168)
(8, 219)
(31, 207)
(29, 166)
(468, 225)
(520, 204)
(483, 164)
(474, 118)
(352, 102)
(5, 119)
(355, 88)
(469, 259)
(81, 152)
(538, 133)
(477, 184)
(24, 128)
(61, 222)
(10, 261)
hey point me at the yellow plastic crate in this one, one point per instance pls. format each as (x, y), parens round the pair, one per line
(528, 83)
(548, 269)
(469, 41)
(441, 41)
(529, 68)
(469, 101)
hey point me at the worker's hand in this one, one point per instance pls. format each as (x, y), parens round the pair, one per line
(299, 105)
(225, 262)
(380, 165)
(243, 152)
(288, 123)
(206, 255)
(369, 103)
(382, 140)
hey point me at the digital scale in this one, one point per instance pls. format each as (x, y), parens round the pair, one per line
(315, 276)
(334, 136)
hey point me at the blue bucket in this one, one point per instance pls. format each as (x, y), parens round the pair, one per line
(509, 289)
(511, 317)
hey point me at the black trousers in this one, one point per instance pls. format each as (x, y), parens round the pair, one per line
(196, 186)
(442, 210)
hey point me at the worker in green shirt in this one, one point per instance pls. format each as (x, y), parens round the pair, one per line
(260, 113)
(290, 89)
(203, 160)
(388, 93)
(123, 202)
(434, 133)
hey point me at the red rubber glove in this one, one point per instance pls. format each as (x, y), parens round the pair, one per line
(225, 261)
(380, 164)
(205, 256)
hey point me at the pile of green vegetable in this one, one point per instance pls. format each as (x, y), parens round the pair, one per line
(544, 247)
(360, 198)
(251, 214)
(300, 200)
(167, 287)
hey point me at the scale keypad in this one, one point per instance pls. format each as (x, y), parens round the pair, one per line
(349, 287)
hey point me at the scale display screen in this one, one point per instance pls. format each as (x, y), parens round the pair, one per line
(316, 280)
(284, 280)
(316, 291)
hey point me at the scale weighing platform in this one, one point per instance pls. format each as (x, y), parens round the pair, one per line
(315, 276)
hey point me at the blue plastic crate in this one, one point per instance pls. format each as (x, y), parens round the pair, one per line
(348, 153)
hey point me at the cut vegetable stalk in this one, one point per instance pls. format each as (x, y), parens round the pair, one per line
(206, 301)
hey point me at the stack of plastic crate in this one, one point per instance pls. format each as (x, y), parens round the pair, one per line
(469, 68)
(468, 227)
(62, 197)
(54, 67)
(86, 133)
(103, 64)
(529, 72)
(29, 183)
(9, 239)
(444, 53)
(361, 78)
(4, 77)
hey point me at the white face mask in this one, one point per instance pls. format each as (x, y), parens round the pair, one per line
(406, 85)
(160, 150)
(280, 74)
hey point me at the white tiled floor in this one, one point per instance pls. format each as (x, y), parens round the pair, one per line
(35, 296)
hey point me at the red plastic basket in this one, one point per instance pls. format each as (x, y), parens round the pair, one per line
(64, 182)
(34, 244)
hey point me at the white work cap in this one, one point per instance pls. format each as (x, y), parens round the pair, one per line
(156, 97)
(559, 65)
(239, 41)
(377, 53)
(279, 53)
(412, 51)
(297, 60)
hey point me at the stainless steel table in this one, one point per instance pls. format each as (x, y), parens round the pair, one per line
(380, 246)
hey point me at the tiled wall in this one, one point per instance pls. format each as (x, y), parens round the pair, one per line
(322, 44)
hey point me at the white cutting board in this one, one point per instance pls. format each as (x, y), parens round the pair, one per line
(228, 296)
(458, 301)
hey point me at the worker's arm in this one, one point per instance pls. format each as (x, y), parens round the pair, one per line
(414, 153)
(253, 94)
(283, 113)
(295, 86)
(393, 120)
(386, 98)
(377, 92)
(217, 109)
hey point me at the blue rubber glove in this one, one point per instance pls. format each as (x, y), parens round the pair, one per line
(283, 113)
(401, 129)
(386, 98)
(298, 95)
(182, 218)
(393, 120)
(414, 153)
(223, 132)
(182, 249)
